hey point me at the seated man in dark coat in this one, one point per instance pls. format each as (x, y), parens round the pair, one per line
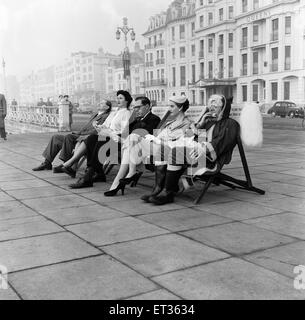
(66, 144)
(142, 119)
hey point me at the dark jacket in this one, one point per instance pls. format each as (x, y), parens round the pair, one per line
(149, 123)
(3, 106)
(88, 128)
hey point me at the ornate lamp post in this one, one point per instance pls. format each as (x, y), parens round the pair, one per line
(126, 55)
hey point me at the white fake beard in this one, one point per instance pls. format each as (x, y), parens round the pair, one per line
(251, 123)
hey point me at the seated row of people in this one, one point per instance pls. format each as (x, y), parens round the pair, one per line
(132, 139)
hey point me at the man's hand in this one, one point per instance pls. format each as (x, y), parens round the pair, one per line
(197, 152)
(152, 138)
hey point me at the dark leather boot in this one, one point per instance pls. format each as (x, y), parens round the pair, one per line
(46, 165)
(171, 187)
(86, 181)
(160, 175)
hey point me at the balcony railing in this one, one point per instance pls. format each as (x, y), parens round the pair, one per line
(274, 67)
(274, 36)
(201, 54)
(220, 50)
(244, 72)
(160, 61)
(149, 64)
(287, 66)
(159, 43)
(244, 43)
(156, 82)
(220, 75)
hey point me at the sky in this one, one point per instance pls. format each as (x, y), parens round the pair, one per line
(35, 34)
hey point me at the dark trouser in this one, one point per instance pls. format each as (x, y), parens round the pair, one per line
(59, 142)
(93, 148)
(2, 127)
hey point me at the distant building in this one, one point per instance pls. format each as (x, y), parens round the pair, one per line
(252, 50)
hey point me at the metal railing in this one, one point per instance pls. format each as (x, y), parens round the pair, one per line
(149, 64)
(160, 61)
(156, 82)
(159, 43)
(43, 116)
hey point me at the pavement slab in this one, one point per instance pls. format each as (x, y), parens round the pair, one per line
(162, 295)
(26, 227)
(282, 260)
(13, 210)
(43, 250)
(5, 197)
(96, 278)
(289, 224)
(184, 219)
(80, 215)
(163, 254)
(16, 185)
(238, 238)
(8, 295)
(69, 201)
(107, 232)
(231, 279)
(35, 193)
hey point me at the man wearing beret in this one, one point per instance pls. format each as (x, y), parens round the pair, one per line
(3, 111)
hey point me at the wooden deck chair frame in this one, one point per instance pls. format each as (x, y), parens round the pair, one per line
(228, 181)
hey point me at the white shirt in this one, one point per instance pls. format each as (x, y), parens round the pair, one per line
(118, 120)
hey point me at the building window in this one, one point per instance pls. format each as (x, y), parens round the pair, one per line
(221, 67)
(220, 42)
(162, 95)
(193, 73)
(193, 29)
(201, 70)
(210, 20)
(182, 52)
(193, 97)
(210, 69)
(244, 40)
(201, 2)
(286, 90)
(221, 14)
(231, 72)
(174, 76)
(274, 90)
(244, 93)
(275, 30)
(244, 70)
(210, 48)
(230, 40)
(275, 58)
(255, 4)
(182, 76)
(287, 25)
(255, 62)
(201, 51)
(244, 5)
(255, 92)
(287, 57)
(231, 12)
(193, 50)
(173, 53)
(173, 33)
(255, 33)
(201, 21)
(182, 31)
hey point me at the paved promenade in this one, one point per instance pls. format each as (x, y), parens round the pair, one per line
(62, 244)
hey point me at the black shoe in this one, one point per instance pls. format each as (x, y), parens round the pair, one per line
(114, 192)
(81, 184)
(160, 175)
(133, 180)
(69, 171)
(58, 169)
(99, 178)
(161, 200)
(44, 166)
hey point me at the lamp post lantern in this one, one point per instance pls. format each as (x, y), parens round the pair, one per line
(4, 77)
(125, 30)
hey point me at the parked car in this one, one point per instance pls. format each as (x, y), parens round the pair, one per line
(286, 108)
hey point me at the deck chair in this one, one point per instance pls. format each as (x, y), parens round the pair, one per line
(217, 178)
